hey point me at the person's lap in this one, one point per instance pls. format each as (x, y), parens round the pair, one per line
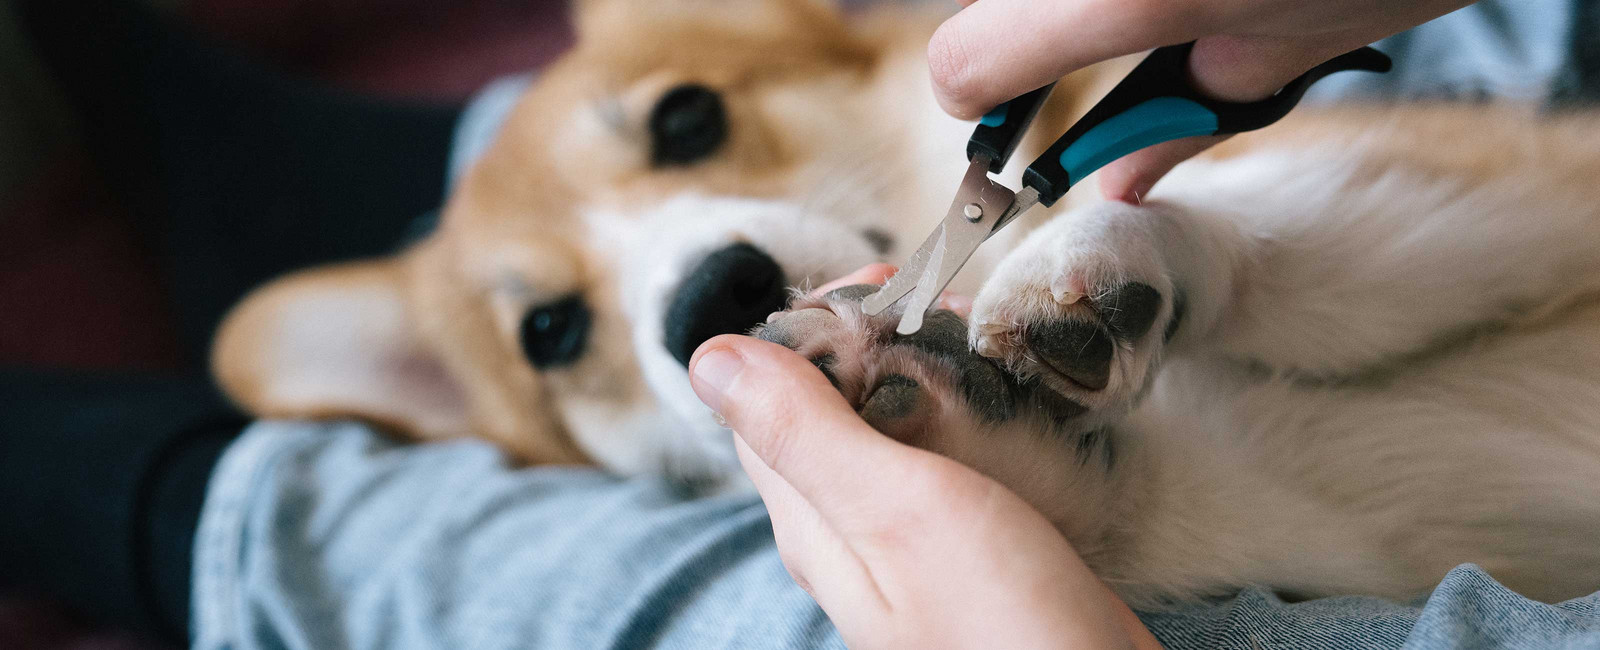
(331, 535)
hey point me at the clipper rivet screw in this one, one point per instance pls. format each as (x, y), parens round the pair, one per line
(973, 211)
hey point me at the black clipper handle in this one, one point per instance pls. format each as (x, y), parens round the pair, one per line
(999, 131)
(1155, 103)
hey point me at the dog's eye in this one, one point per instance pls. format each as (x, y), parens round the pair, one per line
(553, 334)
(688, 124)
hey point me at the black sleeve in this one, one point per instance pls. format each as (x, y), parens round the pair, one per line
(103, 478)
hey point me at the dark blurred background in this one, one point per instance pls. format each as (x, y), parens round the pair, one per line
(160, 157)
(116, 115)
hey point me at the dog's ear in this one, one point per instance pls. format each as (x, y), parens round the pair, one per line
(338, 341)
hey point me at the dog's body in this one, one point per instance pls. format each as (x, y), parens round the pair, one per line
(1341, 355)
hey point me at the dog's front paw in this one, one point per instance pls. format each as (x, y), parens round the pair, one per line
(926, 389)
(1082, 308)
(907, 387)
(930, 390)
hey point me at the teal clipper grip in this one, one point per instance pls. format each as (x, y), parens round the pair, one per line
(1156, 103)
(999, 131)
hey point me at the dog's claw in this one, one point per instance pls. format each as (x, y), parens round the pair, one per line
(1064, 296)
(1067, 290)
(989, 329)
(986, 348)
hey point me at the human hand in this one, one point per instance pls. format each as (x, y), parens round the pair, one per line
(994, 50)
(900, 546)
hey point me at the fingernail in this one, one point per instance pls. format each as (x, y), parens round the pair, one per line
(714, 374)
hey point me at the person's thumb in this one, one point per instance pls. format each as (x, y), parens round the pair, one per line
(1230, 68)
(794, 420)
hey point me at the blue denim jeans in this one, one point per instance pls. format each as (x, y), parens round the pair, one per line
(331, 536)
(323, 536)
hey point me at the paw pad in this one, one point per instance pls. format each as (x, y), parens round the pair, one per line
(1078, 350)
(1087, 344)
(1129, 310)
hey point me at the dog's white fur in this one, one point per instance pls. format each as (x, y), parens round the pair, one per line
(1380, 372)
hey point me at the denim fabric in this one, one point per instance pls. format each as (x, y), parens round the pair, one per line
(1521, 50)
(1468, 609)
(324, 536)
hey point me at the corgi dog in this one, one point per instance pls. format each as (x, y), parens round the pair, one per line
(1340, 355)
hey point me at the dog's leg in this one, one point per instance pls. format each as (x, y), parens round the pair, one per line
(1335, 267)
(1088, 301)
(1289, 262)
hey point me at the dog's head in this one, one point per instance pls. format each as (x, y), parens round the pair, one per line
(665, 182)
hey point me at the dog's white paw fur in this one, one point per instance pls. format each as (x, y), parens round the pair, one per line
(1083, 305)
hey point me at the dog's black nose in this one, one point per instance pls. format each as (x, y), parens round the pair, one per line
(731, 291)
